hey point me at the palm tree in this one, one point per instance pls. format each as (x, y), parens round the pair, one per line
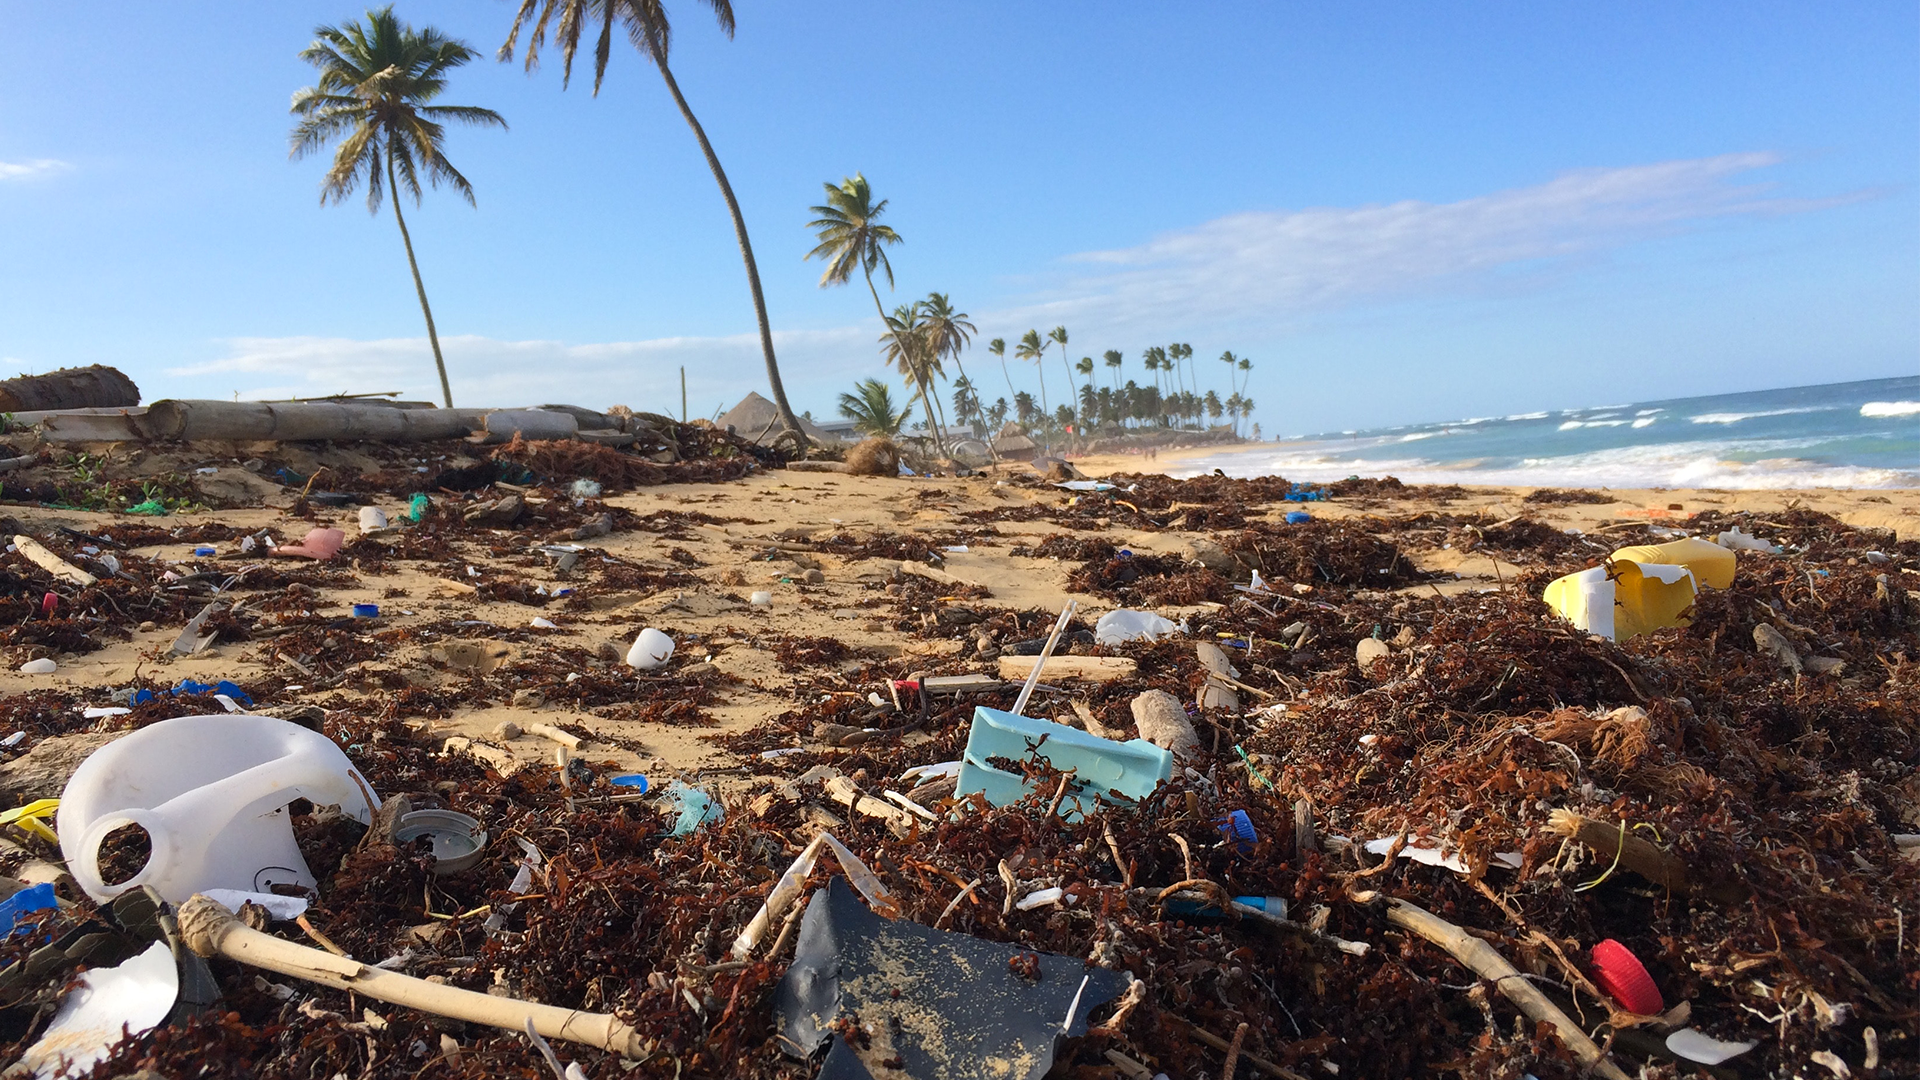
(1246, 373)
(911, 354)
(1233, 410)
(1155, 359)
(998, 347)
(996, 416)
(1085, 367)
(1213, 404)
(645, 22)
(1058, 335)
(966, 404)
(851, 236)
(1114, 359)
(1182, 353)
(1229, 359)
(947, 328)
(1023, 406)
(871, 408)
(1032, 348)
(377, 79)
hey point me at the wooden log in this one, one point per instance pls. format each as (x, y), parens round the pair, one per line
(848, 794)
(1061, 668)
(303, 421)
(93, 387)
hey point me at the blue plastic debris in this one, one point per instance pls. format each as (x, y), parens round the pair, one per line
(366, 611)
(1304, 493)
(1100, 766)
(696, 808)
(1298, 517)
(632, 780)
(1275, 906)
(25, 902)
(1238, 827)
(189, 686)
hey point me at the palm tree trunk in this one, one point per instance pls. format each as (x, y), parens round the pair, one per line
(1011, 392)
(791, 422)
(925, 398)
(433, 336)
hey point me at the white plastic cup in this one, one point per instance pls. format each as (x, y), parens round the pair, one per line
(761, 599)
(652, 649)
(371, 518)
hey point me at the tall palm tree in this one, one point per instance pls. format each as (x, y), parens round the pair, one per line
(871, 408)
(1181, 354)
(1246, 373)
(1032, 348)
(947, 328)
(1213, 404)
(1058, 335)
(1155, 359)
(851, 236)
(998, 347)
(377, 80)
(1114, 359)
(1229, 359)
(1085, 367)
(910, 352)
(645, 23)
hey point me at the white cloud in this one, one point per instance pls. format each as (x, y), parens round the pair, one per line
(487, 371)
(1268, 265)
(21, 170)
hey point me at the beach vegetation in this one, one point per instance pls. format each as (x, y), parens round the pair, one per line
(1033, 349)
(647, 27)
(870, 406)
(379, 81)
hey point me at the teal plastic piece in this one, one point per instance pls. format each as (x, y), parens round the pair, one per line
(1100, 766)
(417, 507)
(696, 808)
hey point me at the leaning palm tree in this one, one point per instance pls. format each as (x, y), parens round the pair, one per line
(851, 237)
(1032, 348)
(998, 347)
(871, 408)
(1246, 369)
(1154, 359)
(1229, 359)
(1085, 367)
(1058, 335)
(947, 328)
(1114, 359)
(645, 23)
(377, 80)
(910, 351)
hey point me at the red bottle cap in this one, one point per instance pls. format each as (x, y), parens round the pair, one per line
(1621, 974)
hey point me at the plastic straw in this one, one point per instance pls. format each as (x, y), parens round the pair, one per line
(1033, 677)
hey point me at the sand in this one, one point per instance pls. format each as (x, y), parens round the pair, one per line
(712, 622)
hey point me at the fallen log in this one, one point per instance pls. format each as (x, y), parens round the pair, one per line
(209, 929)
(313, 421)
(94, 387)
(1084, 668)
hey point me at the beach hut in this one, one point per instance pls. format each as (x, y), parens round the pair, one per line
(1012, 444)
(756, 418)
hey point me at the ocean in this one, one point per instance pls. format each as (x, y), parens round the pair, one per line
(1851, 435)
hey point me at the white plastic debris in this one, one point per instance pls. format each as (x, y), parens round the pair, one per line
(42, 666)
(280, 907)
(651, 649)
(586, 489)
(1433, 856)
(544, 624)
(1125, 625)
(939, 771)
(372, 518)
(110, 562)
(135, 996)
(98, 712)
(761, 599)
(1040, 898)
(1737, 540)
(1705, 1049)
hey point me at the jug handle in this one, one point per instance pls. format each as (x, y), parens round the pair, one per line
(85, 867)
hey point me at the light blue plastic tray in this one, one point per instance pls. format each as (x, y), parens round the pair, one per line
(1132, 768)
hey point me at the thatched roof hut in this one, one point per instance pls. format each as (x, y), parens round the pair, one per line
(756, 418)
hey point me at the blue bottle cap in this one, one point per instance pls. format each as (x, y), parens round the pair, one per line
(1238, 827)
(366, 611)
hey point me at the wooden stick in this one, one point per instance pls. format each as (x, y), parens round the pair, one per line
(1487, 963)
(209, 929)
(1254, 1060)
(1650, 861)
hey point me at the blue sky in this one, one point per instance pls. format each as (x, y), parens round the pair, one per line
(1401, 212)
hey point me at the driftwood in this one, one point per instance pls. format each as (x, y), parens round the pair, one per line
(1084, 668)
(1656, 864)
(304, 421)
(1487, 963)
(209, 929)
(1218, 691)
(94, 387)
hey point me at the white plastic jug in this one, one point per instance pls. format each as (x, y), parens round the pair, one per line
(211, 793)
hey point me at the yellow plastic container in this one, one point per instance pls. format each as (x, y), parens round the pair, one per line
(1641, 588)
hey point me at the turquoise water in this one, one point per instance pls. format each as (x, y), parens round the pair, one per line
(1857, 435)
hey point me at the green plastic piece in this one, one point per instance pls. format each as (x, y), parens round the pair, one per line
(1099, 766)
